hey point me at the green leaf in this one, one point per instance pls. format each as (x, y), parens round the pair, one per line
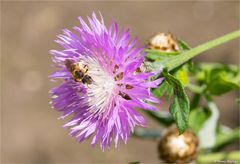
(183, 45)
(197, 118)
(159, 55)
(165, 87)
(169, 92)
(158, 92)
(179, 108)
(219, 78)
(222, 81)
(182, 76)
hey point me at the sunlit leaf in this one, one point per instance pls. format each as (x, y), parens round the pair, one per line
(222, 81)
(219, 78)
(182, 76)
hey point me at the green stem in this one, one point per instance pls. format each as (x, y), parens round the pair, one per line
(146, 134)
(196, 89)
(195, 101)
(219, 157)
(224, 139)
(178, 60)
(162, 117)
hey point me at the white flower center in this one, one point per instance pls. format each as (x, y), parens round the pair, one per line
(100, 91)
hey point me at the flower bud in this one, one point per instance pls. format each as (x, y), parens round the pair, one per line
(163, 42)
(177, 148)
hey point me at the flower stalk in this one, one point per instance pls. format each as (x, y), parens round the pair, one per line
(176, 61)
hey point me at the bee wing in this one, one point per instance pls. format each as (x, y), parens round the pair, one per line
(69, 65)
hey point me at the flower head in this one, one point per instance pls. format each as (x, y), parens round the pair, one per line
(105, 106)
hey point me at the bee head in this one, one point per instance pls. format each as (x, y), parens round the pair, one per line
(78, 74)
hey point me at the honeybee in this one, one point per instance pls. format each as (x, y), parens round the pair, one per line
(79, 71)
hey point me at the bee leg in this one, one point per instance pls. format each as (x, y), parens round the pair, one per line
(86, 68)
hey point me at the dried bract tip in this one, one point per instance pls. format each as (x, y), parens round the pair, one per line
(177, 148)
(163, 42)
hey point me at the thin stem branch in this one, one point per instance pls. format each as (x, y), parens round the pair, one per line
(219, 157)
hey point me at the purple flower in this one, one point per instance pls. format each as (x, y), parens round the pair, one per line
(105, 108)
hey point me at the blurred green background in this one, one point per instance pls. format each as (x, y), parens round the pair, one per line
(30, 131)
